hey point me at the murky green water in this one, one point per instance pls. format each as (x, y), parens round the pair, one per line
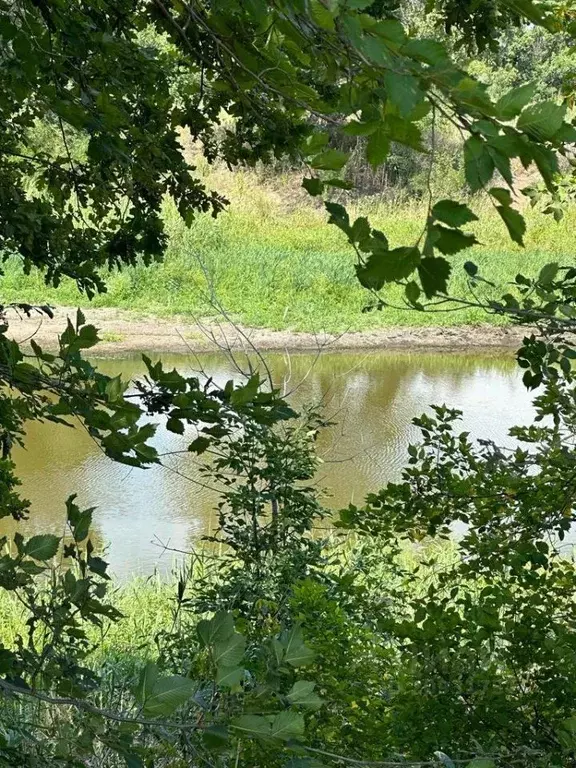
(372, 395)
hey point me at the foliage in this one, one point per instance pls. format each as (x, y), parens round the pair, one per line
(477, 669)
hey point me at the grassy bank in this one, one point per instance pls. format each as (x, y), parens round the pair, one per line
(272, 261)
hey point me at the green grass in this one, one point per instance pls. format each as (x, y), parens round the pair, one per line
(281, 266)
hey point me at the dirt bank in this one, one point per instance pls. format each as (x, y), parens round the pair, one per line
(123, 332)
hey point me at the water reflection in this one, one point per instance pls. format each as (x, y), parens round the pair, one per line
(372, 396)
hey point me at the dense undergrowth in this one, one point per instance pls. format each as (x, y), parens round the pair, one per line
(271, 260)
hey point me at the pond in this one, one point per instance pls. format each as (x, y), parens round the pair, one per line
(372, 396)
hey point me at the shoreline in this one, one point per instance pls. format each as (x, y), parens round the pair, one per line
(123, 333)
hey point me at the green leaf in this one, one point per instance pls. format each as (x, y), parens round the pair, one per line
(478, 163)
(386, 267)
(200, 445)
(302, 694)
(451, 241)
(322, 15)
(502, 195)
(403, 91)
(175, 425)
(376, 50)
(453, 213)
(378, 146)
(330, 160)
(548, 273)
(217, 629)
(512, 103)
(229, 652)
(287, 725)
(313, 186)
(167, 695)
(434, 272)
(541, 121)
(482, 762)
(412, 292)
(42, 547)
(229, 677)
(514, 223)
(426, 50)
(253, 725)
(295, 652)
(354, 128)
(146, 682)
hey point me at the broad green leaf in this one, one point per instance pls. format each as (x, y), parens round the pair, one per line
(296, 653)
(451, 241)
(42, 547)
(502, 195)
(175, 425)
(412, 292)
(378, 146)
(229, 677)
(376, 50)
(216, 629)
(388, 266)
(403, 91)
(168, 694)
(541, 121)
(481, 762)
(426, 50)
(512, 103)
(478, 163)
(354, 128)
(391, 30)
(514, 223)
(253, 725)
(200, 445)
(313, 186)
(287, 725)
(302, 694)
(434, 272)
(229, 652)
(548, 273)
(330, 160)
(453, 213)
(322, 15)
(146, 682)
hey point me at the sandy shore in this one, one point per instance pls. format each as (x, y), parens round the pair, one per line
(123, 332)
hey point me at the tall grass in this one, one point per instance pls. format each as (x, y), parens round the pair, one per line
(271, 260)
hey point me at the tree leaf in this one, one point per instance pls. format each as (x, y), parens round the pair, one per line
(482, 762)
(287, 725)
(541, 121)
(453, 213)
(434, 272)
(313, 186)
(302, 694)
(478, 163)
(167, 695)
(146, 682)
(175, 425)
(548, 273)
(229, 677)
(502, 195)
(514, 223)
(217, 629)
(229, 652)
(403, 91)
(42, 547)
(378, 146)
(200, 445)
(451, 241)
(426, 50)
(253, 725)
(513, 102)
(330, 160)
(387, 266)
